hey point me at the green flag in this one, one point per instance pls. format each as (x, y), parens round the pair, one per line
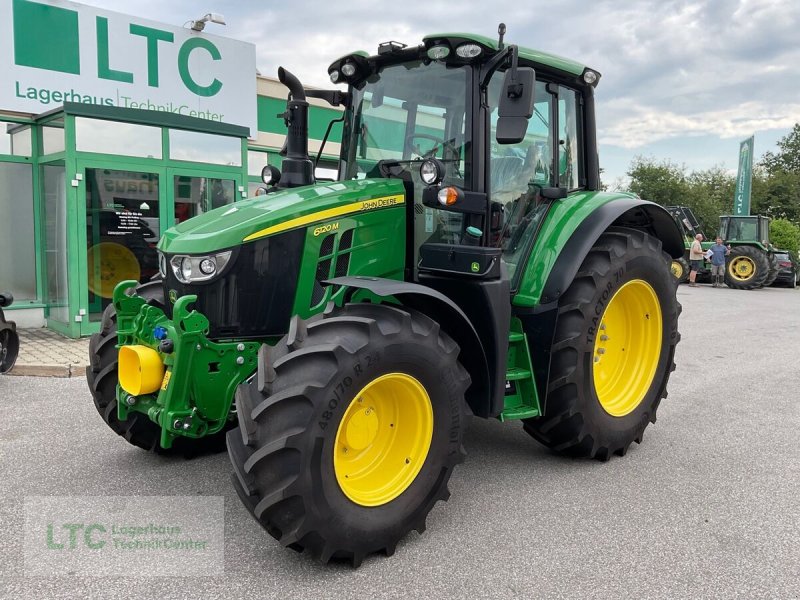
(744, 178)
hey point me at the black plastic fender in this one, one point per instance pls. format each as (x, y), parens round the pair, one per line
(451, 319)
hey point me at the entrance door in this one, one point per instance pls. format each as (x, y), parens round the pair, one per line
(196, 192)
(124, 217)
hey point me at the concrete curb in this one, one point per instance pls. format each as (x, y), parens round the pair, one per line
(48, 370)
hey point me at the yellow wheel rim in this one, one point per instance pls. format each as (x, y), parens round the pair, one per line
(383, 439)
(627, 348)
(677, 269)
(741, 268)
(109, 263)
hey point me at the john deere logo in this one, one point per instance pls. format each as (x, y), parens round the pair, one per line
(476, 267)
(173, 296)
(48, 37)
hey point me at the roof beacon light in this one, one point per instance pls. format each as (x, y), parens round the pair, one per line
(468, 50)
(439, 52)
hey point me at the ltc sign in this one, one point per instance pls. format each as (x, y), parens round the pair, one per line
(54, 52)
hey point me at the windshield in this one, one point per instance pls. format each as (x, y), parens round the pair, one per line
(405, 113)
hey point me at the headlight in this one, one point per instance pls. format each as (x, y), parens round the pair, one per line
(193, 269)
(162, 265)
(438, 52)
(348, 69)
(431, 171)
(468, 50)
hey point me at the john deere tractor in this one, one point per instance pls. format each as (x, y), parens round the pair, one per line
(751, 263)
(338, 334)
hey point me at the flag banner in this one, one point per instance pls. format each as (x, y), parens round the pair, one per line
(744, 178)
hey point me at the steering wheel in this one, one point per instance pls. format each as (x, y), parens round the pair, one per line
(411, 146)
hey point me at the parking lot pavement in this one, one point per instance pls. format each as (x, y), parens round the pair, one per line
(707, 506)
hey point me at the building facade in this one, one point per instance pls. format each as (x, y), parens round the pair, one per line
(106, 143)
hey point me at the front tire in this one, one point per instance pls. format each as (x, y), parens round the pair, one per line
(613, 348)
(680, 269)
(315, 466)
(102, 377)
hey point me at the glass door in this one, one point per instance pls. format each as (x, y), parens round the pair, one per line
(195, 192)
(124, 214)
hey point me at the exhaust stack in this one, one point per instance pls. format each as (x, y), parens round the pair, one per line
(297, 169)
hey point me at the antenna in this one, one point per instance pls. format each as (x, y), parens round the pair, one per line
(501, 31)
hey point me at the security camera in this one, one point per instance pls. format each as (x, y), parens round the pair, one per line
(200, 24)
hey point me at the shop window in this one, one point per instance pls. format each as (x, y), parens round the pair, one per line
(256, 161)
(113, 137)
(205, 147)
(17, 249)
(55, 212)
(15, 139)
(53, 137)
(197, 195)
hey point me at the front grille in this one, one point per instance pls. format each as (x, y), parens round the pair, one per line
(254, 296)
(333, 254)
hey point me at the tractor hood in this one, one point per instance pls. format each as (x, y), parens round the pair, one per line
(255, 218)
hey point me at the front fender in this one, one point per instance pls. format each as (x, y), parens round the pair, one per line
(451, 319)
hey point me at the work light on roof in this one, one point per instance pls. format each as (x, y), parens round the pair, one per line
(590, 77)
(468, 50)
(334, 76)
(439, 52)
(348, 69)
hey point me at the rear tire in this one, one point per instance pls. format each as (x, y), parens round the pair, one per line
(774, 269)
(288, 452)
(746, 268)
(101, 375)
(583, 416)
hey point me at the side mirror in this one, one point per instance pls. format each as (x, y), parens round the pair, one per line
(516, 105)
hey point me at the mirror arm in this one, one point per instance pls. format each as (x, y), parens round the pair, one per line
(332, 97)
(514, 89)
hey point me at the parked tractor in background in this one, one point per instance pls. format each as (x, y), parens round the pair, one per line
(9, 339)
(339, 334)
(751, 263)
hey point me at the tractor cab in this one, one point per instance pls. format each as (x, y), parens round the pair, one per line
(751, 230)
(484, 136)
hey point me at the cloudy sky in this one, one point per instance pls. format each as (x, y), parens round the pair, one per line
(681, 80)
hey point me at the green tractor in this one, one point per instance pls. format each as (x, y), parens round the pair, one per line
(751, 263)
(338, 334)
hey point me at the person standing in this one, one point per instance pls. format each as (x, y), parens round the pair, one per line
(718, 253)
(695, 258)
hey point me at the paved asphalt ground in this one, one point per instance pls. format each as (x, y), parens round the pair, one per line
(707, 506)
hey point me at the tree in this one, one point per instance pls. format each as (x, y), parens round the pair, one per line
(776, 188)
(787, 160)
(785, 235)
(662, 182)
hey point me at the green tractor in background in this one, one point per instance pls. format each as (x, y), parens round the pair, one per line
(751, 263)
(338, 334)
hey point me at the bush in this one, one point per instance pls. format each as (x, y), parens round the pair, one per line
(785, 235)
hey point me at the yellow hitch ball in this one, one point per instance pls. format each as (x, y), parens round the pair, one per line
(140, 370)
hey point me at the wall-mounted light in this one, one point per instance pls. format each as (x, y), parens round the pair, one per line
(200, 24)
